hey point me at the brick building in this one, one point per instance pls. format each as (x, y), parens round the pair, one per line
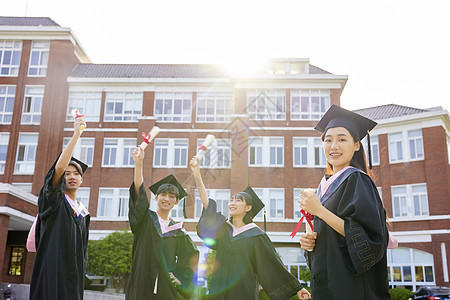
(264, 132)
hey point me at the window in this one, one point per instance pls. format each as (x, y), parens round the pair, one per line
(309, 104)
(297, 213)
(15, 266)
(170, 153)
(218, 154)
(308, 152)
(26, 153)
(10, 52)
(173, 107)
(294, 260)
(415, 142)
(414, 149)
(39, 58)
(83, 196)
(374, 145)
(87, 103)
(410, 267)
(410, 200)
(222, 198)
(4, 140)
(266, 151)
(32, 105)
(113, 202)
(273, 198)
(267, 105)
(7, 95)
(84, 149)
(123, 106)
(214, 107)
(118, 152)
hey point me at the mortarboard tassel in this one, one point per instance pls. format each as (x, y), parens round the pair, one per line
(184, 208)
(369, 150)
(264, 220)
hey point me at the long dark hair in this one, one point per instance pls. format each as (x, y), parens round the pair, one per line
(358, 161)
(248, 216)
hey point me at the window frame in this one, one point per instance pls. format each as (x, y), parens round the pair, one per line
(136, 98)
(90, 101)
(266, 148)
(79, 150)
(262, 111)
(4, 142)
(313, 147)
(170, 152)
(26, 150)
(166, 117)
(120, 153)
(43, 55)
(212, 154)
(33, 98)
(6, 98)
(222, 203)
(208, 97)
(264, 195)
(409, 201)
(117, 195)
(296, 114)
(16, 52)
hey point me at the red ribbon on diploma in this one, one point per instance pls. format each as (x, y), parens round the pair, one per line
(306, 215)
(202, 147)
(146, 138)
(78, 115)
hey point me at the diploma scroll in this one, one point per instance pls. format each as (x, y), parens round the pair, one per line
(203, 147)
(309, 225)
(148, 138)
(76, 114)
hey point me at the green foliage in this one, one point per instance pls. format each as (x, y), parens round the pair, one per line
(111, 257)
(305, 274)
(400, 294)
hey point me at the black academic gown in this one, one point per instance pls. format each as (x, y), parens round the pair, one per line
(354, 266)
(155, 254)
(243, 261)
(61, 246)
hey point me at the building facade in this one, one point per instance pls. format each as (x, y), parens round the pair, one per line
(263, 126)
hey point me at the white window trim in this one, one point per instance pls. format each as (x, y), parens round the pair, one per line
(77, 149)
(119, 154)
(265, 151)
(296, 206)
(265, 198)
(372, 144)
(81, 189)
(310, 153)
(41, 51)
(172, 115)
(215, 96)
(6, 136)
(253, 94)
(17, 153)
(171, 153)
(409, 201)
(211, 194)
(114, 206)
(33, 101)
(11, 66)
(213, 152)
(405, 147)
(137, 96)
(84, 97)
(312, 93)
(3, 113)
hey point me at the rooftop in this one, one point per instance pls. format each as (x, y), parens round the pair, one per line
(390, 111)
(27, 21)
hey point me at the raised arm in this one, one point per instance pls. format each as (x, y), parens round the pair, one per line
(138, 157)
(66, 155)
(195, 167)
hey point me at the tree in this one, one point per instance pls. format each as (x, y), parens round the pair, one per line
(111, 257)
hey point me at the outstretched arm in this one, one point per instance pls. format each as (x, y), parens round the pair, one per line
(66, 155)
(138, 157)
(195, 167)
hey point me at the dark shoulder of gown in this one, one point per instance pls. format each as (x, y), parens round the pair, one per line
(243, 261)
(354, 266)
(156, 254)
(61, 246)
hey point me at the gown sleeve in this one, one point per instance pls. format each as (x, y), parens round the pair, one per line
(186, 264)
(210, 224)
(50, 197)
(139, 206)
(272, 275)
(366, 234)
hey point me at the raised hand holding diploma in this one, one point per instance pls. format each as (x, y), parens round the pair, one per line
(203, 147)
(148, 139)
(76, 115)
(306, 215)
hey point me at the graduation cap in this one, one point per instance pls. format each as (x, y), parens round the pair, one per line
(79, 165)
(253, 200)
(356, 124)
(170, 184)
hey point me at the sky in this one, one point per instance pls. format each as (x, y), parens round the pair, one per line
(393, 51)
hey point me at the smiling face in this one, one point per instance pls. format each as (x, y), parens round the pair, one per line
(73, 178)
(339, 147)
(166, 201)
(238, 207)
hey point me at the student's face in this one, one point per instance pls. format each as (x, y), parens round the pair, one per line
(238, 207)
(339, 147)
(73, 178)
(166, 201)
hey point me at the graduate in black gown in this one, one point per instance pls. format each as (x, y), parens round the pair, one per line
(164, 257)
(61, 230)
(348, 257)
(245, 256)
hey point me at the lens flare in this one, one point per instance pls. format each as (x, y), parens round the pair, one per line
(209, 242)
